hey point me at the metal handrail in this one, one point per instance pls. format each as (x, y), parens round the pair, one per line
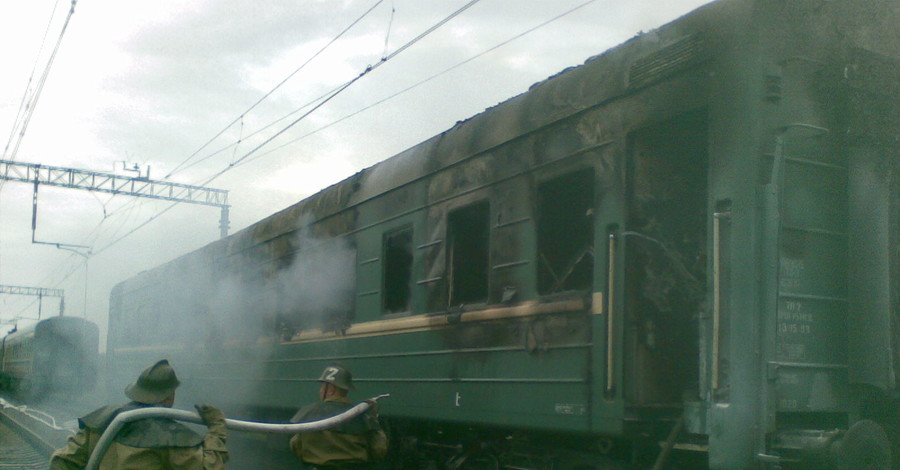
(717, 297)
(611, 317)
(192, 417)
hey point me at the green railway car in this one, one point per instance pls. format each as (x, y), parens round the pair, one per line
(55, 357)
(691, 236)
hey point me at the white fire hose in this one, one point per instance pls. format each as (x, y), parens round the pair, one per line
(192, 417)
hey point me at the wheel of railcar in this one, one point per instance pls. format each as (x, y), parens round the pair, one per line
(864, 446)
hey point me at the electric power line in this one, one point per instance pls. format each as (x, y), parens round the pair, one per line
(346, 85)
(32, 104)
(327, 96)
(422, 82)
(333, 94)
(239, 118)
(29, 104)
(129, 208)
(12, 131)
(260, 130)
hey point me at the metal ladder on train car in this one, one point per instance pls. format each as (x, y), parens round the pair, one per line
(812, 255)
(807, 244)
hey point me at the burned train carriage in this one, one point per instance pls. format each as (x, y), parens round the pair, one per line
(56, 356)
(696, 230)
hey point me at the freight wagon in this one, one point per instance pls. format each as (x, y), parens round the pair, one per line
(686, 247)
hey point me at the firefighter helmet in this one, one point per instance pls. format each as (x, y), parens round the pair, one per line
(339, 376)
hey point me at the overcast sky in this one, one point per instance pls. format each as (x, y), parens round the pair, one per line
(151, 83)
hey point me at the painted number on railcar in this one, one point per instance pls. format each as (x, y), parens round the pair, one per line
(788, 404)
(792, 273)
(794, 328)
(576, 409)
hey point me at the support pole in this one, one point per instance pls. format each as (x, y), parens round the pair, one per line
(224, 223)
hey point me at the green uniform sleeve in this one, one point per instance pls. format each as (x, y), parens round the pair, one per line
(297, 446)
(378, 445)
(376, 440)
(215, 454)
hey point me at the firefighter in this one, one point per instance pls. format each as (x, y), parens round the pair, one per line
(151, 443)
(354, 445)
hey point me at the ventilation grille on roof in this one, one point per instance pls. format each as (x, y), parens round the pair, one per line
(666, 61)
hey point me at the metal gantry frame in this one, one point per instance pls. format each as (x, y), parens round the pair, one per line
(39, 292)
(138, 186)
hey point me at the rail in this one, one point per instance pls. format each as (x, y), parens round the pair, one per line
(37, 415)
(191, 417)
(20, 448)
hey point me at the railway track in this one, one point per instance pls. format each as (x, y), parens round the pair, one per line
(20, 449)
(28, 436)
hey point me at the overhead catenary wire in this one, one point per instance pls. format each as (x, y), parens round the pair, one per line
(73, 269)
(28, 104)
(32, 102)
(261, 130)
(422, 82)
(245, 159)
(22, 104)
(264, 97)
(335, 92)
(346, 85)
(73, 263)
(184, 165)
(383, 100)
(387, 35)
(328, 96)
(322, 100)
(75, 266)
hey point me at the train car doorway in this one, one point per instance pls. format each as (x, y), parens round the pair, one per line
(665, 273)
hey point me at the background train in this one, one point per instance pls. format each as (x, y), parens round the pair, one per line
(55, 356)
(692, 235)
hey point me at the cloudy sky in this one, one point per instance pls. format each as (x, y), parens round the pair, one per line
(172, 86)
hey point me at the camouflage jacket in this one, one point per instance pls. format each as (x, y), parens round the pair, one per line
(359, 440)
(146, 444)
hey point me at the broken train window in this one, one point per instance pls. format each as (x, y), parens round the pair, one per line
(565, 232)
(468, 253)
(398, 260)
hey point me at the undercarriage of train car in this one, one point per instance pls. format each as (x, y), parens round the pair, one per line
(427, 446)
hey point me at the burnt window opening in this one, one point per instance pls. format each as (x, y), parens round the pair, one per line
(468, 232)
(565, 233)
(397, 275)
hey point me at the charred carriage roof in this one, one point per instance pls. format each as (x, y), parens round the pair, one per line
(627, 68)
(647, 57)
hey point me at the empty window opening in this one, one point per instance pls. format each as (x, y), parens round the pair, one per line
(565, 233)
(468, 254)
(398, 260)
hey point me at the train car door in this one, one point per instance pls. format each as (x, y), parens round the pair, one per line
(665, 274)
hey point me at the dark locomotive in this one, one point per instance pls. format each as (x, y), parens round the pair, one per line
(56, 356)
(683, 251)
